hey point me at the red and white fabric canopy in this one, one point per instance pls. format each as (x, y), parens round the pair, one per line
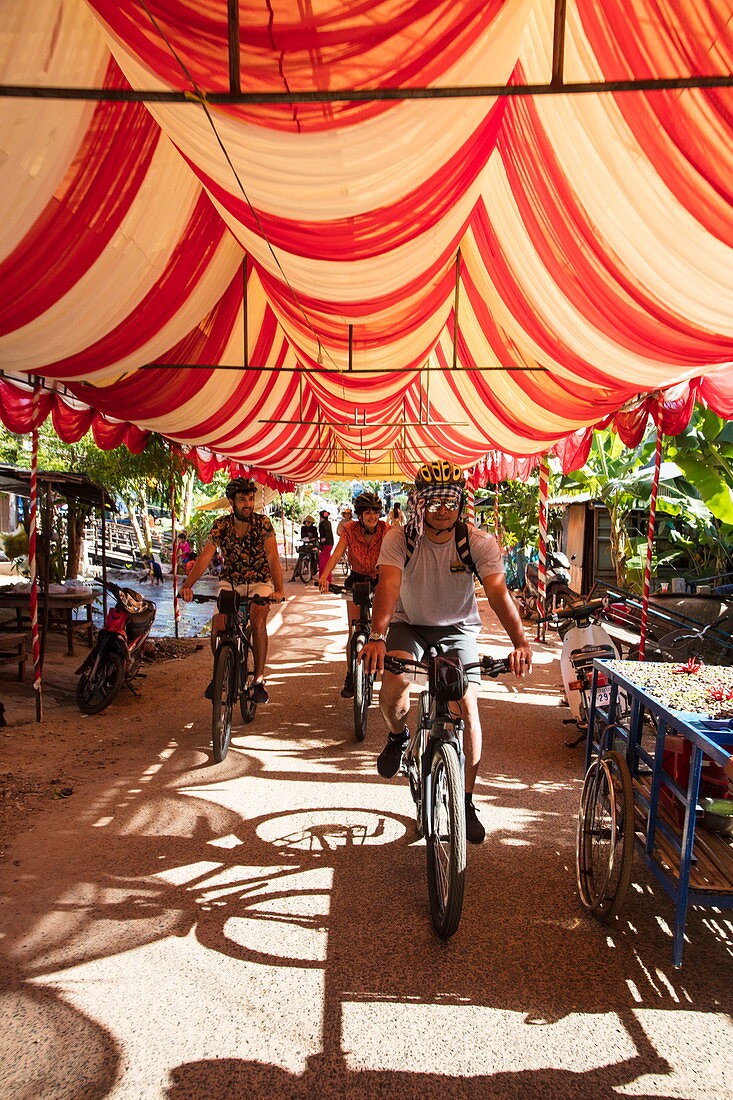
(500, 274)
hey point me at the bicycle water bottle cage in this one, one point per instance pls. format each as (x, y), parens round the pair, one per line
(228, 601)
(448, 680)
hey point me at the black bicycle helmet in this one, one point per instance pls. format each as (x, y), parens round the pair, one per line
(438, 474)
(367, 500)
(240, 485)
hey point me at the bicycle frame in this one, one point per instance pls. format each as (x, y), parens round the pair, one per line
(435, 723)
(231, 664)
(436, 748)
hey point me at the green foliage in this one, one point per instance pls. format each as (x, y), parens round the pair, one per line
(15, 545)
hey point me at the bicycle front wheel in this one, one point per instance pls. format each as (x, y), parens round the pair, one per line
(605, 841)
(446, 840)
(247, 705)
(362, 688)
(306, 569)
(225, 694)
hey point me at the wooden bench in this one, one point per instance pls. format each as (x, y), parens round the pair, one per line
(625, 638)
(12, 649)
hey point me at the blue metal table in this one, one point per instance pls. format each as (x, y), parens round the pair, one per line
(693, 865)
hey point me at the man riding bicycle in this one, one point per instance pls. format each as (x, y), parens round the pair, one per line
(362, 538)
(248, 546)
(426, 598)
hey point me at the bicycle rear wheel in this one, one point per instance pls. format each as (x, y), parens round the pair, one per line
(446, 840)
(247, 705)
(605, 841)
(225, 694)
(362, 687)
(305, 571)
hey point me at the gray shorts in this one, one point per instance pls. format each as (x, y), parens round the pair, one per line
(453, 641)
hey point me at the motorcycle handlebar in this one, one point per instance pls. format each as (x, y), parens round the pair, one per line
(580, 611)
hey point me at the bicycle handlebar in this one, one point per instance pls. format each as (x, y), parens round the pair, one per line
(200, 597)
(489, 666)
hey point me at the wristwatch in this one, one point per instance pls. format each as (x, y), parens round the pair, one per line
(375, 636)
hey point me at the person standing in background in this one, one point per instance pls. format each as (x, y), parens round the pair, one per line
(346, 518)
(325, 540)
(396, 517)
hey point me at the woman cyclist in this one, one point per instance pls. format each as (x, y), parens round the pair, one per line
(362, 538)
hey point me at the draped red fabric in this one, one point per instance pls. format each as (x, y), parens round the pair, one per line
(341, 44)
(716, 390)
(17, 410)
(573, 256)
(186, 266)
(71, 424)
(382, 228)
(585, 271)
(666, 38)
(87, 208)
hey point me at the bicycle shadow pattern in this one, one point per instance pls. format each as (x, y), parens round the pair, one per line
(277, 905)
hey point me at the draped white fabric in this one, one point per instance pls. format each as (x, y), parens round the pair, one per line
(566, 253)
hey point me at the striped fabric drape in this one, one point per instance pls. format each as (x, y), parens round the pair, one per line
(276, 284)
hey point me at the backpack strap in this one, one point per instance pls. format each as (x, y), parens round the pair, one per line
(409, 544)
(463, 546)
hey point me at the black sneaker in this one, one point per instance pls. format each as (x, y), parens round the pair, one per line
(388, 761)
(209, 693)
(347, 691)
(475, 831)
(260, 693)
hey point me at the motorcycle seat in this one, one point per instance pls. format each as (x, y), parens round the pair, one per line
(137, 624)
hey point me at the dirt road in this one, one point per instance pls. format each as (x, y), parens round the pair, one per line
(259, 928)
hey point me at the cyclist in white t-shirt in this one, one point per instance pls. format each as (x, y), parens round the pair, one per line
(425, 598)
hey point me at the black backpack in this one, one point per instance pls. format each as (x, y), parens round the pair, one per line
(462, 546)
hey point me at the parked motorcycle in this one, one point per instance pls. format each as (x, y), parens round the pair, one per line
(557, 585)
(584, 639)
(115, 658)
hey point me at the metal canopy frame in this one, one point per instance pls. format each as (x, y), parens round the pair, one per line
(235, 95)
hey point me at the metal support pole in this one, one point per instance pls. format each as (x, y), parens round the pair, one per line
(650, 545)
(33, 561)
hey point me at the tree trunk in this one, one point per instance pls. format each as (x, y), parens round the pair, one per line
(135, 524)
(76, 519)
(146, 523)
(618, 542)
(187, 509)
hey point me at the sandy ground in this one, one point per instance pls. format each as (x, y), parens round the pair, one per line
(175, 928)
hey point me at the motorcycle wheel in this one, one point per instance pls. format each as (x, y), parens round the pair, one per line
(94, 693)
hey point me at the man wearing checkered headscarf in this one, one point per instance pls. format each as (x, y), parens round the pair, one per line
(426, 600)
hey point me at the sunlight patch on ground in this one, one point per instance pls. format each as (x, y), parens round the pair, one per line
(711, 1039)
(470, 1040)
(325, 830)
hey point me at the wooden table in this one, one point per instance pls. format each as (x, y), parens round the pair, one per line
(57, 601)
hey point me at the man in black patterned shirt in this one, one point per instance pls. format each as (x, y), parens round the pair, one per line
(246, 540)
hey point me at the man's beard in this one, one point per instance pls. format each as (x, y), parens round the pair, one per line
(243, 514)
